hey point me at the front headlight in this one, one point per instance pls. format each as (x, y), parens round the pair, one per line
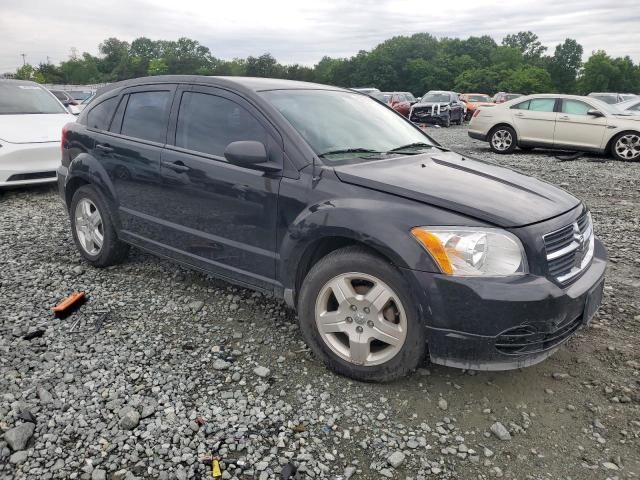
(464, 251)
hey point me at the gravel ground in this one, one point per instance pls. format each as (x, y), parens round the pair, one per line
(164, 365)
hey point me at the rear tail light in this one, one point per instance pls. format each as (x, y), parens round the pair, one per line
(476, 113)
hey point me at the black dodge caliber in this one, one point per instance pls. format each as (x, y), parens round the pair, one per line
(388, 245)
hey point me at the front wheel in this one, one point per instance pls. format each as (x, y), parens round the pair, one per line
(626, 146)
(357, 315)
(503, 139)
(447, 122)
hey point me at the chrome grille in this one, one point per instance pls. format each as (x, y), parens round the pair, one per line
(570, 249)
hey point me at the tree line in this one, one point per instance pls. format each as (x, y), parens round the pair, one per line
(415, 63)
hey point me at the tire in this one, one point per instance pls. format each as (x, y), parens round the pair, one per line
(447, 123)
(94, 235)
(359, 272)
(626, 147)
(503, 139)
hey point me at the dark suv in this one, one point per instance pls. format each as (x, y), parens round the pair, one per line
(386, 243)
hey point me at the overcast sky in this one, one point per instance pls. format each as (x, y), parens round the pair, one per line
(303, 31)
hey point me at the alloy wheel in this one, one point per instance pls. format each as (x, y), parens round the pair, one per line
(501, 140)
(361, 319)
(89, 226)
(628, 146)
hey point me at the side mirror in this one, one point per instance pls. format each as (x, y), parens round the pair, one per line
(595, 113)
(250, 154)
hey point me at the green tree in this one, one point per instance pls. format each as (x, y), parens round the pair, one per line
(157, 66)
(527, 43)
(565, 65)
(526, 80)
(25, 72)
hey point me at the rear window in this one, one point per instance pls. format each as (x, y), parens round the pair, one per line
(99, 117)
(146, 115)
(537, 105)
(22, 99)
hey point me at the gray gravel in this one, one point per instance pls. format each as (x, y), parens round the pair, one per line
(163, 366)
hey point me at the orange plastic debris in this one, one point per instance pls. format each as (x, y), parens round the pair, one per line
(65, 305)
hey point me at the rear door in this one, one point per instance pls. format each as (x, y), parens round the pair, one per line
(216, 215)
(535, 120)
(574, 128)
(131, 154)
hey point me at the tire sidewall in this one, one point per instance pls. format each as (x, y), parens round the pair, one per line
(514, 142)
(413, 350)
(109, 239)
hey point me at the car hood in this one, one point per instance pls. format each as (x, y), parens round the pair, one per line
(33, 128)
(445, 179)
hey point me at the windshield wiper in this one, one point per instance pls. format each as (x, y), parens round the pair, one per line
(411, 146)
(349, 150)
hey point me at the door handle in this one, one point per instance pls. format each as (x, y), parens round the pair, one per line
(104, 148)
(519, 114)
(176, 166)
(564, 117)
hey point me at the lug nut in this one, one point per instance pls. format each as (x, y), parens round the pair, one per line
(354, 308)
(366, 309)
(370, 323)
(359, 329)
(349, 319)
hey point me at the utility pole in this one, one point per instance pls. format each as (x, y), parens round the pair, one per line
(24, 58)
(48, 61)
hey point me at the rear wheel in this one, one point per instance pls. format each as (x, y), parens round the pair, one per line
(503, 139)
(357, 315)
(626, 146)
(93, 230)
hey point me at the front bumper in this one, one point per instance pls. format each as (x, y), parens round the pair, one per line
(430, 118)
(28, 163)
(504, 323)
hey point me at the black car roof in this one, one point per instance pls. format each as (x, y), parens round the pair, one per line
(254, 84)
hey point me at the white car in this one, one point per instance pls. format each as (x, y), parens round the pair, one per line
(566, 122)
(31, 121)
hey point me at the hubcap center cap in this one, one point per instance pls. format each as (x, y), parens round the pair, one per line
(360, 318)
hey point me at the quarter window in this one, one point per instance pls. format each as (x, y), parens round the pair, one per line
(146, 115)
(99, 117)
(208, 123)
(575, 107)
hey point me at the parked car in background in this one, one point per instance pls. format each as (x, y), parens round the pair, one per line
(474, 100)
(558, 121)
(31, 120)
(502, 97)
(438, 107)
(85, 102)
(65, 98)
(630, 106)
(79, 95)
(399, 101)
(612, 98)
(383, 241)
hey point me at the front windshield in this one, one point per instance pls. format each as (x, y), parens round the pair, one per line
(76, 95)
(410, 97)
(478, 98)
(435, 98)
(23, 99)
(331, 120)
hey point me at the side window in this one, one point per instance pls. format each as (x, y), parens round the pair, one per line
(99, 117)
(522, 105)
(208, 123)
(146, 115)
(636, 107)
(575, 107)
(542, 104)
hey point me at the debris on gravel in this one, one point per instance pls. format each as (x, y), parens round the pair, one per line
(163, 366)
